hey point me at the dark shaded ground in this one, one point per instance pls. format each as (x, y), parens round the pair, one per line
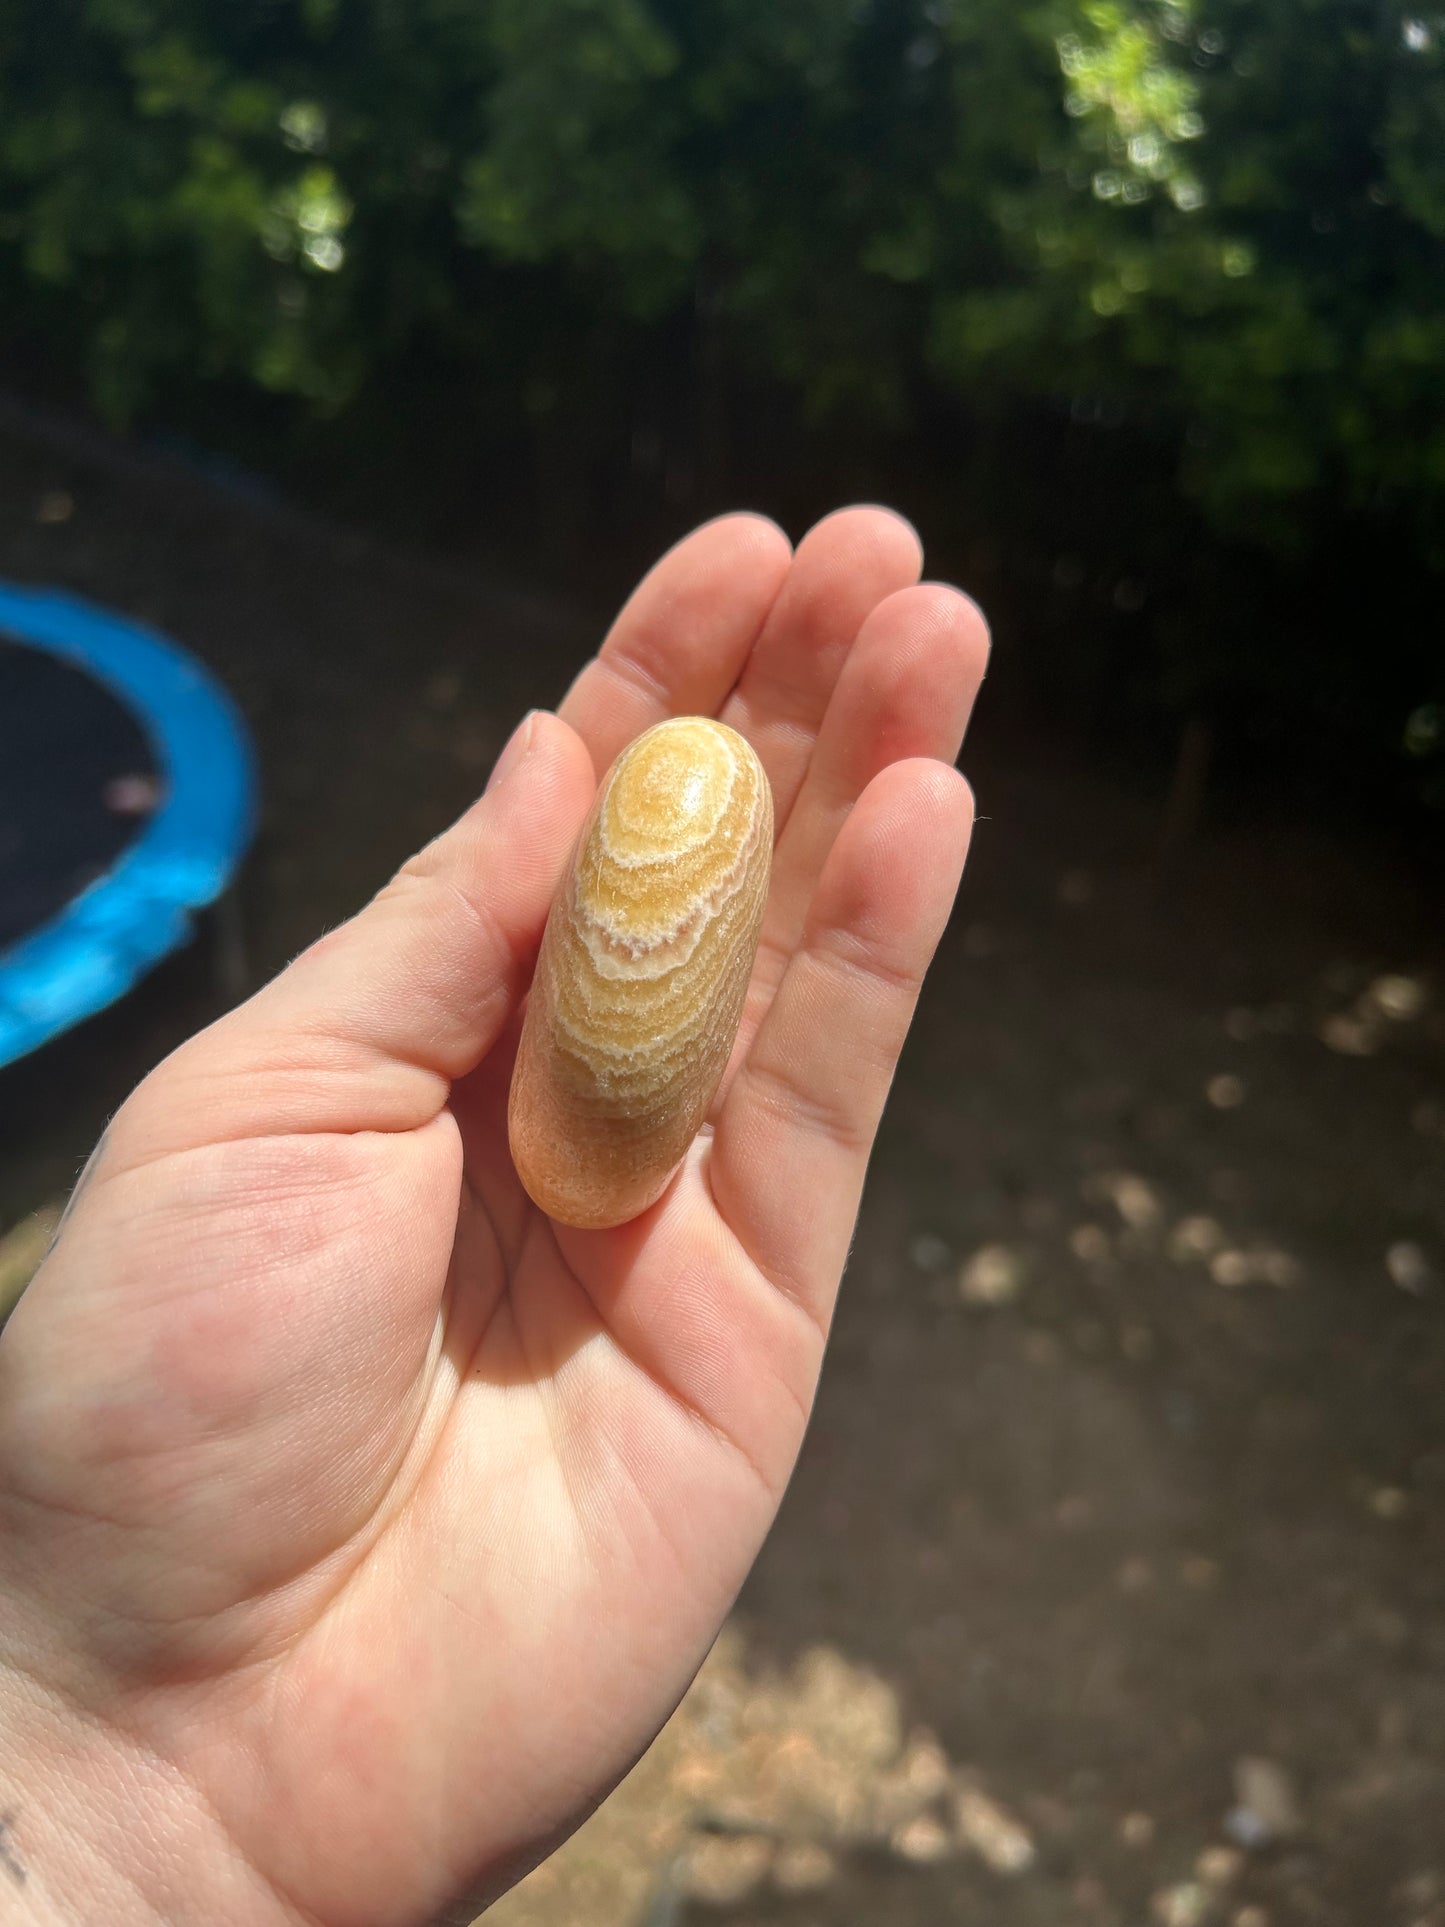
(67, 743)
(1129, 1461)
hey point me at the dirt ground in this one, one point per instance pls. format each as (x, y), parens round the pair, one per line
(1111, 1586)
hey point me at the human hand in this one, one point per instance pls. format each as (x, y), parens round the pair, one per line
(360, 1525)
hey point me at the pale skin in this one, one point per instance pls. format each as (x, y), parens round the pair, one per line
(358, 1526)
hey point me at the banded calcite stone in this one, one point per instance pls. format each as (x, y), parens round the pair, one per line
(642, 973)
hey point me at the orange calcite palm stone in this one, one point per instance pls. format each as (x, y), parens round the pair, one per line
(642, 974)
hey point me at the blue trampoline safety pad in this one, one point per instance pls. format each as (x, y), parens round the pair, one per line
(121, 925)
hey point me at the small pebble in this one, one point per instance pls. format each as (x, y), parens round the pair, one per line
(1225, 1092)
(1266, 1808)
(924, 1840)
(1234, 1267)
(999, 1840)
(1136, 1200)
(1230, 1268)
(1137, 1830)
(994, 1275)
(1245, 1826)
(1350, 1036)
(925, 1768)
(803, 1866)
(1401, 999)
(1195, 1238)
(1183, 1906)
(1278, 1268)
(1409, 1268)
(1219, 1866)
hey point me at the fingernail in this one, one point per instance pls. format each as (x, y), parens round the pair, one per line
(518, 743)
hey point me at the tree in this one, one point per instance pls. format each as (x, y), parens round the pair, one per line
(1217, 223)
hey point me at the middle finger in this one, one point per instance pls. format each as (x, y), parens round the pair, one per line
(907, 689)
(843, 568)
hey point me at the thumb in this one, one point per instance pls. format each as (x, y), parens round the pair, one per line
(367, 1029)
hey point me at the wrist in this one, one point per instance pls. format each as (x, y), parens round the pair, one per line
(98, 1828)
(58, 1774)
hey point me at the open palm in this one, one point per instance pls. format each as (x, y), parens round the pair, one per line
(359, 1523)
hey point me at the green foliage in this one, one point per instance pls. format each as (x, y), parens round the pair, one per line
(1226, 213)
(1240, 233)
(576, 164)
(1219, 220)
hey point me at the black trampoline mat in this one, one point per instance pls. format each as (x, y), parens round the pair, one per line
(78, 783)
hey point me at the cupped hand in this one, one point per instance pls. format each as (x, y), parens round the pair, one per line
(361, 1525)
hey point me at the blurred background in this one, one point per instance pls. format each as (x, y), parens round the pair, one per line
(371, 350)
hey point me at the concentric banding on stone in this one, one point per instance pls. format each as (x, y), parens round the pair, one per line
(643, 972)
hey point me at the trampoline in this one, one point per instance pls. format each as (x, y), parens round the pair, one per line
(127, 799)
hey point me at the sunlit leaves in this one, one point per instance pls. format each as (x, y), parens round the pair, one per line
(303, 126)
(309, 216)
(1224, 215)
(1135, 102)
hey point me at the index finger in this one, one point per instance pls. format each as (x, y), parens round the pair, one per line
(683, 636)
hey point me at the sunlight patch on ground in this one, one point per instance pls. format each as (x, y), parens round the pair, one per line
(1389, 1000)
(994, 1275)
(768, 1780)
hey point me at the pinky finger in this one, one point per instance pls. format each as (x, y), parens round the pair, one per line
(794, 1137)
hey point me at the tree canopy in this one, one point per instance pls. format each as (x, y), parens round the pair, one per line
(1222, 221)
